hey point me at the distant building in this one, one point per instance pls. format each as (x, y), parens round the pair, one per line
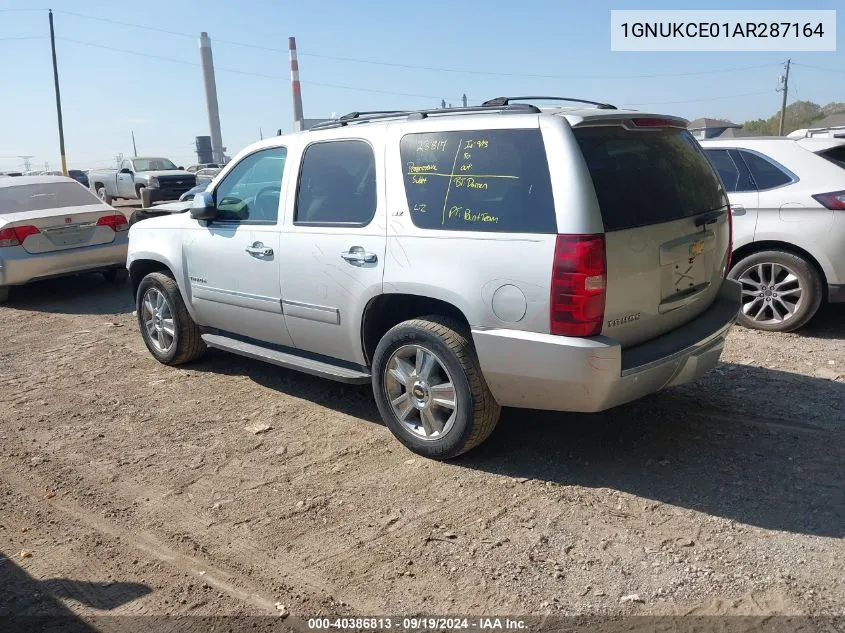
(832, 126)
(710, 128)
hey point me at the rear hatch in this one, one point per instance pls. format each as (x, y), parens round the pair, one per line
(666, 222)
(56, 216)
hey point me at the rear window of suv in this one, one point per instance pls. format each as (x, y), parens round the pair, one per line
(480, 180)
(644, 177)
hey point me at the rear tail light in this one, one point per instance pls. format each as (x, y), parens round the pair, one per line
(14, 236)
(579, 282)
(117, 222)
(834, 200)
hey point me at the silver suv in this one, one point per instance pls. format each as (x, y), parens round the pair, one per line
(460, 260)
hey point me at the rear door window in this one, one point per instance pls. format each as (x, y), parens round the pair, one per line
(479, 180)
(644, 177)
(735, 177)
(766, 174)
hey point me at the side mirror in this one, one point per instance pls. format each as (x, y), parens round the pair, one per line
(180, 167)
(125, 170)
(202, 206)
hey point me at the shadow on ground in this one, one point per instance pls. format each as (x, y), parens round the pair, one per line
(755, 445)
(829, 323)
(30, 604)
(87, 293)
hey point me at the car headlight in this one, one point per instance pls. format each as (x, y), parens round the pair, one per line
(153, 182)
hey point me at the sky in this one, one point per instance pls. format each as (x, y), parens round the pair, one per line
(122, 72)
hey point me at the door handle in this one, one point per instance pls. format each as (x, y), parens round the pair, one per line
(357, 255)
(737, 209)
(259, 249)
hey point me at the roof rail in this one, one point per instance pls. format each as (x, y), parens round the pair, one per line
(377, 115)
(503, 101)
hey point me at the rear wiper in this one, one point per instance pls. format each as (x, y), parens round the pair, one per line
(709, 218)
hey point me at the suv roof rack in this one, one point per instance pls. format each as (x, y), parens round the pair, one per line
(378, 115)
(504, 101)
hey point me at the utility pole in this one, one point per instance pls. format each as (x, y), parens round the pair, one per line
(784, 87)
(134, 149)
(260, 134)
(58, 96)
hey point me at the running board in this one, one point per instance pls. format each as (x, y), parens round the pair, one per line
(288, 360)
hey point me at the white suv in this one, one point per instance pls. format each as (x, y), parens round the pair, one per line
(460, 260)
(788, 204)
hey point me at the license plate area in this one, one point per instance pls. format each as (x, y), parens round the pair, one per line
(70, 235)
(685, 266)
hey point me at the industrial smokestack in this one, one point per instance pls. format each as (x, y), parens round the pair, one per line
(298, 122)
(211, 97)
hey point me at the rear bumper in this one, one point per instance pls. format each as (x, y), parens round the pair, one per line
(541, 371)
(836, 293)
(19, 267)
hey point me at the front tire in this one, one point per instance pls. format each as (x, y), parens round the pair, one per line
(430, 390)
(104, 196)
(145, 197)
(167, 328)
(780, 291)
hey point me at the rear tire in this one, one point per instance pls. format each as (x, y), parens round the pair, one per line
(104, 196)
(167, 328)
(117, 276)
(145, 198)
(420, 362)
(4, 294)
(780, 291)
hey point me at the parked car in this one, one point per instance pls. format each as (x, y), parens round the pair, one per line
(195, 168)
(190, 193)
(79, 176)
(787, 199)
(148, 179)
(459, 260)
(50, 227)
(206, 175)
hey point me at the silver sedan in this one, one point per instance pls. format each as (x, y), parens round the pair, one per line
(51, 226)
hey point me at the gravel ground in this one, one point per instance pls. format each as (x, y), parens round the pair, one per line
(127, 487)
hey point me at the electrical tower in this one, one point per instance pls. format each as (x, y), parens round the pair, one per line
(27, 162)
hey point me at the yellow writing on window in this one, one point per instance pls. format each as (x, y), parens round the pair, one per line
(468, 215)
(419, 180)
(432, 145)
(416, 169)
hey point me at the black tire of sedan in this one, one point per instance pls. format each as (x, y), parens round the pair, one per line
(781, 291)
(167, 328)
(430, 390)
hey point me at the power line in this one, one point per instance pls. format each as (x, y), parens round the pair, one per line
(747, 94)
(247, 72)
(827, 70)
(372, 62)
(24, 37)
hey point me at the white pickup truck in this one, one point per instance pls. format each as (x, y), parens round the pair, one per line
(148, 179)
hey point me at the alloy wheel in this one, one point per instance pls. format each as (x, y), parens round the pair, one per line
(157, 317)
(771, 293)
(421, 391)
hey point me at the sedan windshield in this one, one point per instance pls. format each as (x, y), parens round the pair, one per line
(153, 164)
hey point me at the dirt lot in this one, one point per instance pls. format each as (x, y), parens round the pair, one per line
(135, 488)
